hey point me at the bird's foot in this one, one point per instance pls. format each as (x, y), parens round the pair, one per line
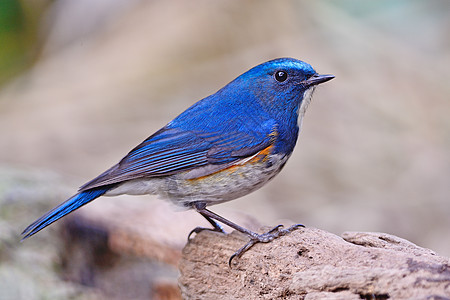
(197, 230)
(267, 237)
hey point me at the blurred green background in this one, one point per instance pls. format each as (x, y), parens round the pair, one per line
(82, 82)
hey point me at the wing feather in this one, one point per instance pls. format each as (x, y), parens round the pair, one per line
(171, 150)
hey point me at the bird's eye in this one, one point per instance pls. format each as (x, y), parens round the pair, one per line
(281, 76)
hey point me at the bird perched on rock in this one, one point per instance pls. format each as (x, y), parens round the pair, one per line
(219, 149)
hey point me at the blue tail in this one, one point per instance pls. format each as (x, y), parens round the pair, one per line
(63, 209)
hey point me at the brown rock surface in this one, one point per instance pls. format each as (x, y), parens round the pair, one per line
(309, 263)
(313, 264)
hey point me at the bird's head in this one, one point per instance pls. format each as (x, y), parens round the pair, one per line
(283, 85)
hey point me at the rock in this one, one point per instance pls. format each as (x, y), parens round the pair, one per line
(137, 243)
(313, 264)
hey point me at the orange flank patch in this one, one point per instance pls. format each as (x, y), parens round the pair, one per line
(262, 155)
(257, 157)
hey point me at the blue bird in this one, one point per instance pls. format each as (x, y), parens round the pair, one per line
(219, 149)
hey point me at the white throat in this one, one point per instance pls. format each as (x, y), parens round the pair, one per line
(305, 103)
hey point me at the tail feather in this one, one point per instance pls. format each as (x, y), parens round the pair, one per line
(63, 209)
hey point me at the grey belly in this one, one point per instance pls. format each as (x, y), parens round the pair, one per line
(226, 185)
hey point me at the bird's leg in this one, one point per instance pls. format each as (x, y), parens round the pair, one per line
(216, 227)
(255, 238)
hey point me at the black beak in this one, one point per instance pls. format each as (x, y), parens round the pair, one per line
(317, 79)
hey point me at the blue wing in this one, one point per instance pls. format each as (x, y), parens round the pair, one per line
(173, 150)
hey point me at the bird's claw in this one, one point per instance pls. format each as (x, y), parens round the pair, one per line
(197, 230)
(267, 237)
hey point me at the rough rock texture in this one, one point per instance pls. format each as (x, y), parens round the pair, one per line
(129, 250)
(313, 264)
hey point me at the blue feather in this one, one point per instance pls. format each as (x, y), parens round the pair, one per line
(63, 209)
(173, 150)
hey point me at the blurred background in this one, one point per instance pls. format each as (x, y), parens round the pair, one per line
(82, 82)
